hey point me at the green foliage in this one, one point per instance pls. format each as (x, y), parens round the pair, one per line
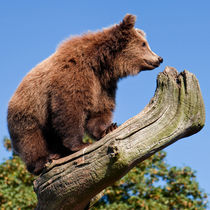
(16, 184)
(150, 185)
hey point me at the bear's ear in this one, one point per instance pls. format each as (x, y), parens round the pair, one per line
(128, 22)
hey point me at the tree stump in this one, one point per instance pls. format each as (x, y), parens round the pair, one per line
(176, 111)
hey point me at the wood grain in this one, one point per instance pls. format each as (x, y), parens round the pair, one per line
(176, 111)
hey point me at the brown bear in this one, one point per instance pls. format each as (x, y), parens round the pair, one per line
(73, 91)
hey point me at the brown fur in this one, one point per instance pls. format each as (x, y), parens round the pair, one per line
(73, 91)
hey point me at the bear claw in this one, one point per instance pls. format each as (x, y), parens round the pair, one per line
(112, 127)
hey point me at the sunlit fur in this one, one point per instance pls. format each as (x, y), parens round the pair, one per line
(73, 91)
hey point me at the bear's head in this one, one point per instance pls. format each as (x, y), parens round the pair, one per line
(136, 55)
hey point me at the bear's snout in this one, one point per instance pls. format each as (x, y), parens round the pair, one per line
(160, 59)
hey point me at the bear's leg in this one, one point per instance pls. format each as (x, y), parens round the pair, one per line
(74, 141)
(69, 125)
(33, 151)
(98, 124)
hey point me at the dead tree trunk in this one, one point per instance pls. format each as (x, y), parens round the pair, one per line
(176, 111)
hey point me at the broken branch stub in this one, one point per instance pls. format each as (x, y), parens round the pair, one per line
(175, 111)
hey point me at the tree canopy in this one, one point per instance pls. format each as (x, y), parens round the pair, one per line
(153, 184)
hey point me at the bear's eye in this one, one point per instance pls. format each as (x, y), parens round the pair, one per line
(143, 44)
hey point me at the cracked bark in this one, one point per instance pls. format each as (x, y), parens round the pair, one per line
(176, 111)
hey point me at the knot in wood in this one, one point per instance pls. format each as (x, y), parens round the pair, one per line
(113, 152)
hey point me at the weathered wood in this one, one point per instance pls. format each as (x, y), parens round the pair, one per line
(176, 111)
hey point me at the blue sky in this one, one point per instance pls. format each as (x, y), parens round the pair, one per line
(179, 31)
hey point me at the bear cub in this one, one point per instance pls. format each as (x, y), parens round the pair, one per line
(73, 92)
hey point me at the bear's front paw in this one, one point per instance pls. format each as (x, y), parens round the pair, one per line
(112, 127)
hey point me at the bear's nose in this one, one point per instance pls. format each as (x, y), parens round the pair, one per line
(160, 59)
